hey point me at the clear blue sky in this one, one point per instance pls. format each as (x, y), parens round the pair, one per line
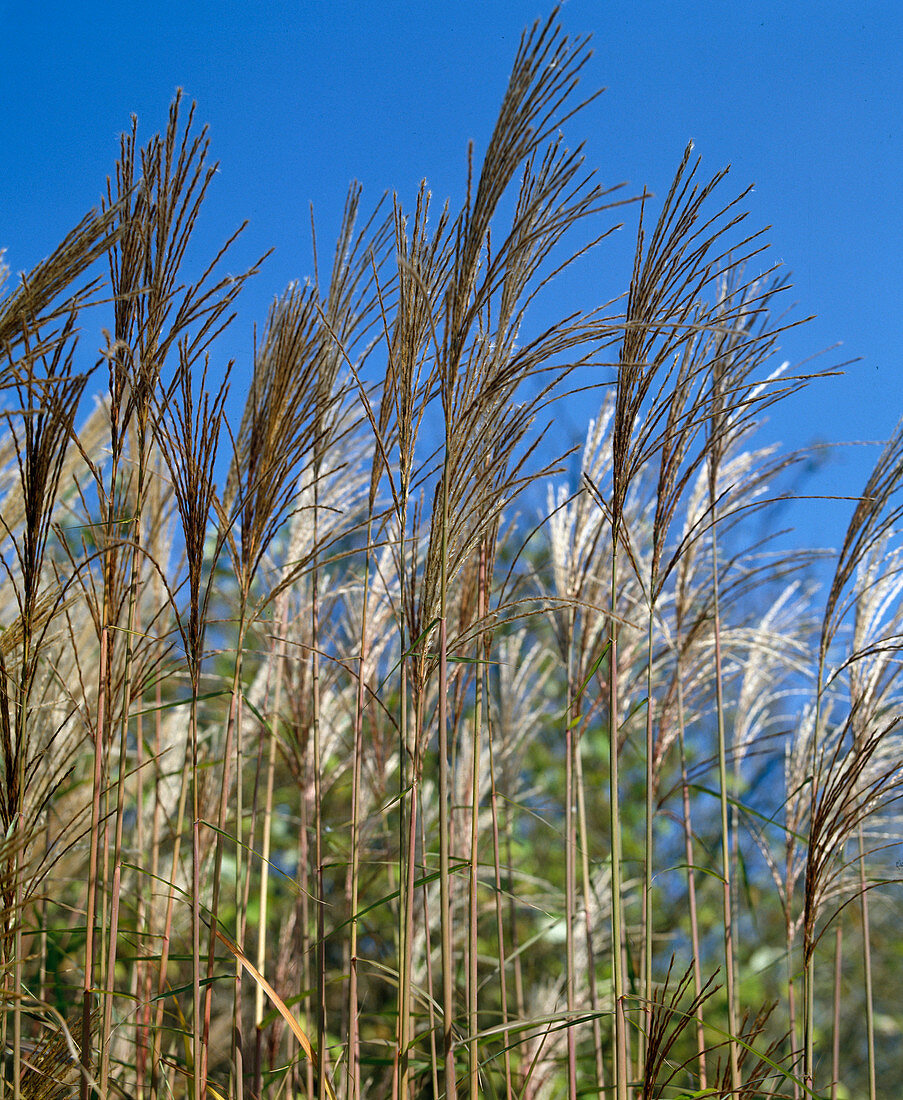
(802, 97)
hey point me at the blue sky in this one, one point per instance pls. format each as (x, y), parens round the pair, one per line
(802, 98)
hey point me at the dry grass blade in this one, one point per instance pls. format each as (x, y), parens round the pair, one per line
(277, 1002)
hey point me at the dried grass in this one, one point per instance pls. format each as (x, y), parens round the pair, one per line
(349, 778)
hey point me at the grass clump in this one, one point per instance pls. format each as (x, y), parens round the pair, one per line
(330, 768)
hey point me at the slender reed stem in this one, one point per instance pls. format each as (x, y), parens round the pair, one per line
(691, 880)
(867, 969)
(617, 890)
(727, 904)
(473, 1046)
(445, 916)
(838, 978)
(647, 915)
(280, 617)
(499, 911)
(572, 719)
(320, 896)
(354, 1048)
(93, 861)
(586, 884)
